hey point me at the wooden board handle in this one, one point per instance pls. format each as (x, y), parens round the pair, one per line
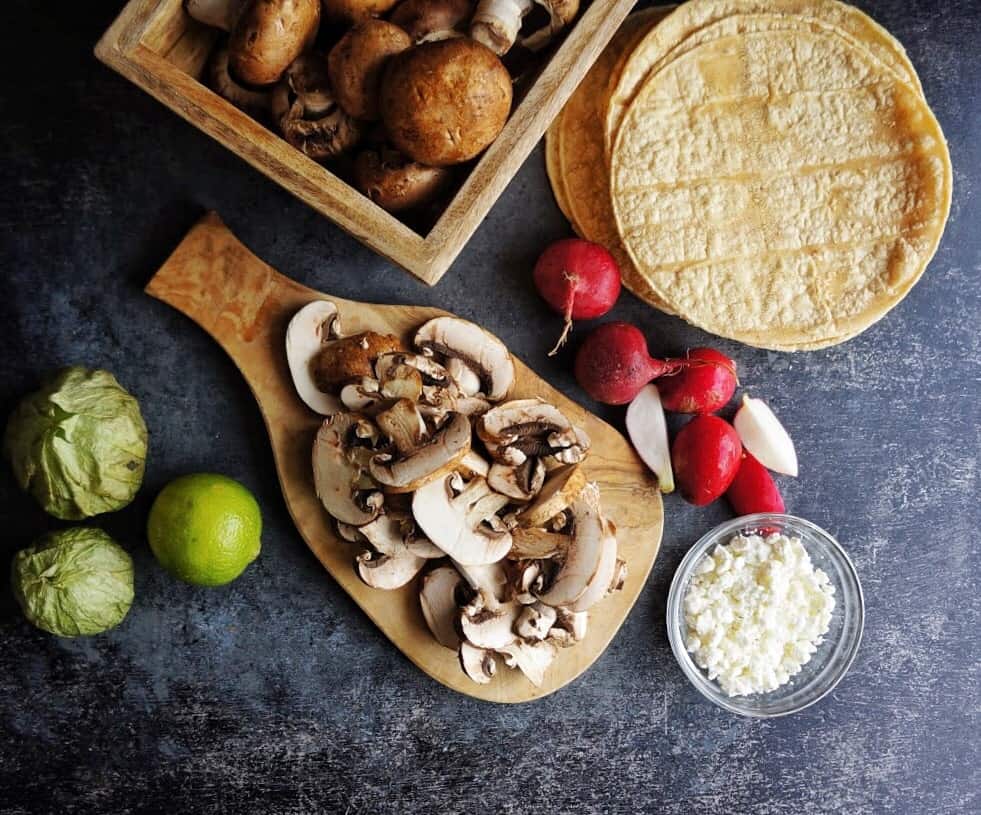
(242, 302)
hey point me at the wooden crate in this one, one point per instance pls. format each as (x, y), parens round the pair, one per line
(156, 45)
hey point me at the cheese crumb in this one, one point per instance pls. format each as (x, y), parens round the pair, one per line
(756, 611)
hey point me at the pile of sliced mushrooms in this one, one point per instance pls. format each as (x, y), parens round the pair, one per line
(427, 467)
(407, 97)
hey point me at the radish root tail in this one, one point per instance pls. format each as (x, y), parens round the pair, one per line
(571, 278)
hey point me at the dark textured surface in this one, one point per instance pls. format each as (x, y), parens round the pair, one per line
(276, 694)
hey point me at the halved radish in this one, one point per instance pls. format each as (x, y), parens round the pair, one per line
(764, 436)
(648, 432)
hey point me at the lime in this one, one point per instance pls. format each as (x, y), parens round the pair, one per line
(205, 529)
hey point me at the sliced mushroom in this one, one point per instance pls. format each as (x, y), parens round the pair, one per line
(535, 543)
(307, 114)
(269, 35)
(489, 628)
(438, 600)
(517, 430)
(217, 13)
(397, 183)
(432, 372)
(585, 554)
(472, 465)
(489, 581)
(385, 533)
(535, 621)
(337, 476)
(522, 482)
(498, 23)
(456, 523)
(363, 396)
(599, 585)
(401, 382)
(356, 62)
(527, 575)
(308, 331)
(569, 628)
(477, 663)
(432, 20)
(467, 93)
(482, 352)
(389, 571)
(465, 377)
(559, 491)
(439, 455)
(403, 424)
(532, 659)
(351, 359)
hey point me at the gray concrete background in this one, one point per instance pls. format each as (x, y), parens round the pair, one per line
(276, 694)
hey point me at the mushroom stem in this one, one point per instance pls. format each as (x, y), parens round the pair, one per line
(496, 23)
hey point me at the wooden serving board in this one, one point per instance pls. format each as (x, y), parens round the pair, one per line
(246, 305)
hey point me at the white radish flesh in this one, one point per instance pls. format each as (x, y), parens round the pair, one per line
(764, 437)
(648, 432)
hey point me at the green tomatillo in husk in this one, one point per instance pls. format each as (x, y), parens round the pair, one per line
(78, 445)
(74, 582)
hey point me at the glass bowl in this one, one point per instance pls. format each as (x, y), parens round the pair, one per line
(833, 657)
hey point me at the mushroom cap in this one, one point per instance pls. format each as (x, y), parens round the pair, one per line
(349, 12)
(308, 116)
(395, 182)
(436, 19)
(253, 101)
(269, 35)
(351, 359)
(444, 102)
(484, 353)
(355, 65)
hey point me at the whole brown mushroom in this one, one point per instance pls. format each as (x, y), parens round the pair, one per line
(357, 62)
(349, 12)
(444, 102)
(253, 101)
(269, 36)
(307, 114)
(431, 20)
(395, 182)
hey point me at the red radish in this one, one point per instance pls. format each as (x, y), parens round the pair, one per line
(613, 364)
(705, 455)
(753, 489)
(701, 388)
(578, 279)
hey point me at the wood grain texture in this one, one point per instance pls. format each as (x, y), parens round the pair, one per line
(246, 305)
(157, 46)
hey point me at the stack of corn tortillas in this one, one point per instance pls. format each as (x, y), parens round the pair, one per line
(766, 169)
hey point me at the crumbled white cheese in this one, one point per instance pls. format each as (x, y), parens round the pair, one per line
(756, 610)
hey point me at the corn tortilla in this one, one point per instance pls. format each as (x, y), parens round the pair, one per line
(780, 188)
(690, 17)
